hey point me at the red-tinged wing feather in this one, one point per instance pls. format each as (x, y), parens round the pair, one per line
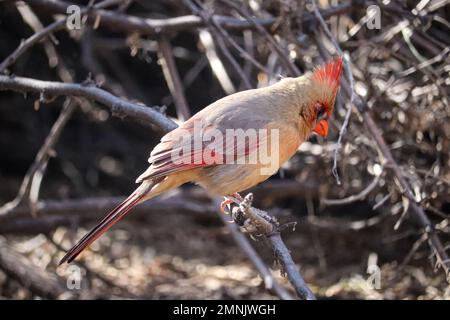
(170, 154)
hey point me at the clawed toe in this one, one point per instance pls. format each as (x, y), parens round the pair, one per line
(234, 198)
(224, 203)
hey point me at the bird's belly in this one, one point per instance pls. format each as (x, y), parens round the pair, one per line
(227, 179)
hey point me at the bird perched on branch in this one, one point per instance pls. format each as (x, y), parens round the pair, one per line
(234, 143)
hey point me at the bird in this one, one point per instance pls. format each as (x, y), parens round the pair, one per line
(291, 110)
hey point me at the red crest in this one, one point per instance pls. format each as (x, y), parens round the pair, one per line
(330, 73)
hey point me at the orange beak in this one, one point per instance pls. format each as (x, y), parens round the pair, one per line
(322, 128)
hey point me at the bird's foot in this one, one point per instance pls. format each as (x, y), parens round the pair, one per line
(224, 204)
(234, 198)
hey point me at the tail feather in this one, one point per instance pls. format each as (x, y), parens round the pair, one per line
(115, 215)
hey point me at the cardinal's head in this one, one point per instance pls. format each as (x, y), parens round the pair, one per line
(320, 94)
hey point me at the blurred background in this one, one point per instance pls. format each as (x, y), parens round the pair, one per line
(366, 246)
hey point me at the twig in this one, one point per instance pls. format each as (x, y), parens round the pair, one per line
(172, 76)
(335, 224)
(290, 268)
(349, 74)
(40, 161)
(288, 64)
(435, 243)
(221, 32)
(51, 28)
(353, 198)
(219, 40)
(30, 18)
(216, 64)
(31, 183)
(241, 51)
(146, 26)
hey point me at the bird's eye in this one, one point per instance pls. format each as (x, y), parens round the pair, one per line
(321, 112)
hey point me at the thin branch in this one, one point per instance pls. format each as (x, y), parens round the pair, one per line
(288, 64)
(172, 76)
(31, 183)
(349, 74)
(146, 26)
(290, 268)
(45, 32)
(353, 198)
(215, 63)
(219, 40)
(243, 53)
(40, 162)
(418, 213)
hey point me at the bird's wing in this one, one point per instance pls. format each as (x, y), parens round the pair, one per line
(177, 143)
(186, 143)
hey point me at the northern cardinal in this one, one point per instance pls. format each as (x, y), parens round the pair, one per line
(294, 107)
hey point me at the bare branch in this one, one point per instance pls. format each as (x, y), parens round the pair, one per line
(288, 64)
(37, 280)
(262, 223)
(40, 163)
(38, 36)
(117, 106)
(146, 26)
(353, 198)
(269, 282)
(172, 76)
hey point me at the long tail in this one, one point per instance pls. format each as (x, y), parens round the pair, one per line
(118, 213)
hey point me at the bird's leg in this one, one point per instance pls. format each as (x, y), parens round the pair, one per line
(234, 198)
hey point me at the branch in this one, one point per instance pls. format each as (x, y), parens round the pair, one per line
(259, 223)
(269, 282)
(215, 63)
(119, 107)
(38, 36)
(419, 214)
(131, 24)
(205, 36)
(31, 182)
(353, 198)
(288, 64)
(31, 277)
(172, 77)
